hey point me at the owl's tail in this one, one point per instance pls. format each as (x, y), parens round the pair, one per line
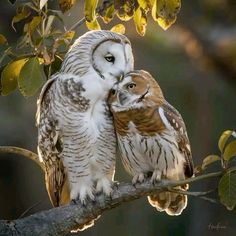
(172, 203)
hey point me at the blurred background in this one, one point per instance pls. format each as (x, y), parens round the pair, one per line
(195, 64)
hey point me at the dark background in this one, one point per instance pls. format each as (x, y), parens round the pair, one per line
(195, 64)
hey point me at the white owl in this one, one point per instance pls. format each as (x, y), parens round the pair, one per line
(76, 139)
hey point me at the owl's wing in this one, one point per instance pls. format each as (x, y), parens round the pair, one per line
(50, 146)
(176, 121)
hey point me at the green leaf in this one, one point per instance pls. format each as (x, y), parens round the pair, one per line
(230, 151)
(66, 5)
(227, 190)
(3, 40)
(209, 160)
(31, 77)
(10, 75)
(223, 139)
(165, 11)
(140, 20)
(119, 28)
(90, 10)
(93, 25)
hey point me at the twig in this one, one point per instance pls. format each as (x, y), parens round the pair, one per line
(23, 152)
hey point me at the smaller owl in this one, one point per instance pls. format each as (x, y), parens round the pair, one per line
(152, 137)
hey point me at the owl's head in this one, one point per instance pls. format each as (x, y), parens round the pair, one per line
(105, 53)
(138, 89)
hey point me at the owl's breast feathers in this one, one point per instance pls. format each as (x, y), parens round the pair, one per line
(157, 120)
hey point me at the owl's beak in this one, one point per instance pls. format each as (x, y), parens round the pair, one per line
(121, 77)
(122, 98)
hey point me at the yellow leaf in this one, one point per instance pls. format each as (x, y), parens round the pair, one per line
(108, 13)
(3, 40)
(30, 27)
(140, 20)
(21, 13)
(223, 139)
(10, 75)
(69, 35)
(94, 25)
(125, 9)
(165, 11)
(66, 5)
(209, 160)
(90, 10)
(143, 4)
(120, 28)
(230, 151)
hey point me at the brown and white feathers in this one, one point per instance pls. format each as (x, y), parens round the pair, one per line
(76, 138)
(152, 137)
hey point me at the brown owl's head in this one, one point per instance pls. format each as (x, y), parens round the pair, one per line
(138, 89)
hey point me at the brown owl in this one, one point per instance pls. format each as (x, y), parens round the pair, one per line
(152, 137)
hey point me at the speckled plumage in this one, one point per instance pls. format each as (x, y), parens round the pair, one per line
(76, 138)
(152, 137)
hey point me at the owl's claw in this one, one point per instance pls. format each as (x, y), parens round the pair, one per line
(83, 192)
(138, 178)
(156, 177)
(104, 185)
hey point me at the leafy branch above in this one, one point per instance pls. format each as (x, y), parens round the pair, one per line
(45, 39)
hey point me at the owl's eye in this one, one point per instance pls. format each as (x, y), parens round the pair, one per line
(131, 86)
(110, 58)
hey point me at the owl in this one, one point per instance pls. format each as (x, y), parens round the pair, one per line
(152, 137)
(76, 137)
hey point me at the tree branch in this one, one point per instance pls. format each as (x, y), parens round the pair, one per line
(61, 220)
(23, 152)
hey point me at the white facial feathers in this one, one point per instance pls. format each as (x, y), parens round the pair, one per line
(88, 51)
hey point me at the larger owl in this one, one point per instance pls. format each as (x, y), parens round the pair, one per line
(76, 139)
(152, 137)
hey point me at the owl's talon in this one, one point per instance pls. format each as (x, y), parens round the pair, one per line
(156, 177)
(73, 202)
(104, 185)
(138, 179)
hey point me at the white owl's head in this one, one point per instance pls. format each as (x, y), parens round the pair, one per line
(106, 53)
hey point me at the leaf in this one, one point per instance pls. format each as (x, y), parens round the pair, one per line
(69, 35)
(50, 20)
(209, 160)
(21, 14)
(230, 151)
(3, 40)
(31, 77)
(66, 5)
(143, 4)
(140, 20)
(10, 75)
(94, 25)
(42, 4)
(227, 190)
(165, 11)
(30, 27)
(120, 28)
(90, 10)
(125, 9)
(223, 139)
(108, 12)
